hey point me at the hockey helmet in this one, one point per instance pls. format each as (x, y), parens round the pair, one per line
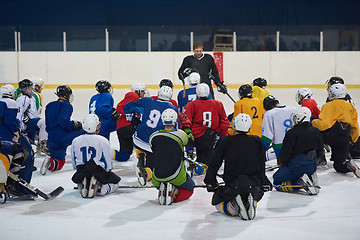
(166, 82)
(202, 90)
(334, 80)
(245, 91)
(242, 122)
(7, 91)
(301, 114)
(302, 94)
(36, 82)
(25, 86)
(104, 86)
(136, 86)
(194, 79)
(65, 92)
(260, 82)
(91, 123)
(270, 102)
(165, 93)
(337, 90)
(169, 117)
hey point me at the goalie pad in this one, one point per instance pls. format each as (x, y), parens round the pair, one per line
(4, 169)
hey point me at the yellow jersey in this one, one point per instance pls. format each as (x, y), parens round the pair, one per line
(259, 92)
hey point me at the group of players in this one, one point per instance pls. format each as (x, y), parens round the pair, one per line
(174, 140)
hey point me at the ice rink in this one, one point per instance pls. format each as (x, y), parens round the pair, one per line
(135, 213)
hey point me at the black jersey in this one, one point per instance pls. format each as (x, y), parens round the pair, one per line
(303, 138)
(243, 155)
(204, 65)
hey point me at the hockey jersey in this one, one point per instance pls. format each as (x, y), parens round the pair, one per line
(38, 100)
(254, 108)
(338, 110)
(276, 123)
(8, 121)
(205, 114)
(172, 101)
(190, 95)
(27, 110)
(91, 147)
(312, 105)
(124, 120)
(259, 92)
(151, 111)
(101, 104)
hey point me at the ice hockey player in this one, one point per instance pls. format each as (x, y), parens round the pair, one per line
(151, 111)
(169, 172)
(302, 146)
(102, 104)
(127, 123)
(60, 128)
(276, 122)
(208, 119)
(9, 125)
(303, 98)
(338, 122)
(190, 93)
(249, 105)
(204, 64)
(258, 87)
(91, 158)
(28, 115)
(169, 83)
(244, 177)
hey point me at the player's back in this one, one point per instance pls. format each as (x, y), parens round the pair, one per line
(57, 116)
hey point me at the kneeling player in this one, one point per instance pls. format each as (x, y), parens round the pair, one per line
(169, 172)
(302, 146)
(92, 161)
(244, 177)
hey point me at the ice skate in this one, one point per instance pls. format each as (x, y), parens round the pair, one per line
(162, 194)
(94, 186)
(308, 185)
(353, 167)
(252, 207)
(84, 187)
(45, 166)
(170, 192)
(242, 210)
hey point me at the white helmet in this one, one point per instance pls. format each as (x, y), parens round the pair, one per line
(302, 94)
(7, 91)
(165, 93)
(36, 81)
(169, 117)
(242, 122)
(136, 86)
(194, 79)
(337, 91)
(91, 123)
(301, 114)
(202, 90)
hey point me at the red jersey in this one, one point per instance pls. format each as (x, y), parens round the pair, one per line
(172, 101)
(205, 114)
(122, 122)
(312, 105)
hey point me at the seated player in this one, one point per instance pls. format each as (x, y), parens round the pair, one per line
(91, 158)
(169, 172)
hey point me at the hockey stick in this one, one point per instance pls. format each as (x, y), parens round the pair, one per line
(213, 78)
(149, 186)
(183, 82)
(296, 186)
(271, 168)
(46, 196)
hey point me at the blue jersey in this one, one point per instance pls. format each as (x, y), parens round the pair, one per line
(101, 104)
(8, 121)
(151, 111)
(190, 95)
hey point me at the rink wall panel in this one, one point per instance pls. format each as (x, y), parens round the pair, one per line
(84, 69)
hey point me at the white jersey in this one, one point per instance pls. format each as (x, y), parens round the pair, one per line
(91, 147)
(276, 123)
(27, 109)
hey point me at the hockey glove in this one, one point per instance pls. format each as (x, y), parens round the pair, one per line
(115, 115)
(77, 125)
(186, 72)
(221, 87)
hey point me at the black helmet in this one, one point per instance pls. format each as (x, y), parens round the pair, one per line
(24, 84)
(65, 92)
(270, 102)
(260, 82)
(245, 91)
(103, 86)
(334, 80)
(166, 82)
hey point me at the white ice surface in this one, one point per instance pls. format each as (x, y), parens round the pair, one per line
(135, 213)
